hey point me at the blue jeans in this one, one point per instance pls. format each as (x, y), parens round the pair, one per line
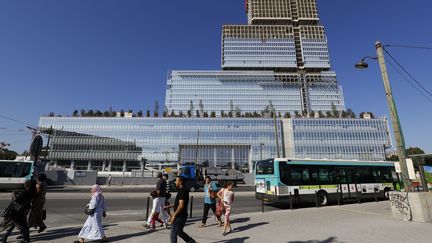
(177, 230)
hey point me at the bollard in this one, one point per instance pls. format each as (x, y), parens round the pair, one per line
(357, 193)
(148, 205)
(316, 199)
(290, 201)
(338, 197)
(191, 206)
(262, 204)
(375, 194)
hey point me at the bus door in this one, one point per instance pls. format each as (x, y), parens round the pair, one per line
(347, 186)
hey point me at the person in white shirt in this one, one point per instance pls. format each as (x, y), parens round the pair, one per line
(227, 197)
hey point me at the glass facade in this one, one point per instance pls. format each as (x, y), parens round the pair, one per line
(252, 91)
(118, 144)
(362, 139)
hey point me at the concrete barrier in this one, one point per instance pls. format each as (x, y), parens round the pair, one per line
(412, 206)
(127, 180)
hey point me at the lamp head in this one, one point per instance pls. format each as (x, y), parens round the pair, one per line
(361, 65)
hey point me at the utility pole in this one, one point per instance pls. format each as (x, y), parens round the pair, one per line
(400, 143)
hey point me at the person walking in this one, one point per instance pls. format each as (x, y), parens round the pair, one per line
(159, 202)
(155, 217)
(109, 180)
(93, 229)
(227, 197)
(36, 218)
(15, 214)
(210, 191)
(179, 217)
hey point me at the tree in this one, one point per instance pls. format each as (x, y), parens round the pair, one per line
(148, 113)
(213, 114)
(191, 108)
(165, 112)
(51, 114)
(334, 111)
(90, 113)
(287, 115)
(201, 107)
(75, 113)
(231, 108)
(329, 114)
(83, 113)
(197, 113)
(122, 113)
(205, 114)
(279, 114)
(181, 114)
(140, 113)
(98, 113)
(297, 114)
(320, 114)
(304, 113)
(189, 113)
(312, 114)
(106, 114)
(350, 113)
(237, 112)
(222, 113)
(414, 150)
(6, 154)
(172, 113)
(344, 114)
(156, 109)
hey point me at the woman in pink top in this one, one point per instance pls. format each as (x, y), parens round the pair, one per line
(227, 197)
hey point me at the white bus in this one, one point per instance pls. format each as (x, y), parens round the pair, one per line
(13, 174)
(280, 179)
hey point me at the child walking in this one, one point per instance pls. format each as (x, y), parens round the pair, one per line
(227, 197)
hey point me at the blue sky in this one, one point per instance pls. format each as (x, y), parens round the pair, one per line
(71, 54)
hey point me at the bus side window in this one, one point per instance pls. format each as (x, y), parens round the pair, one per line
(26, 169)
(314, 177)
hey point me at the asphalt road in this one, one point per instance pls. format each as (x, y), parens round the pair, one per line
(66, 208)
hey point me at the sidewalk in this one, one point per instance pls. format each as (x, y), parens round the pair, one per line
(367, 222)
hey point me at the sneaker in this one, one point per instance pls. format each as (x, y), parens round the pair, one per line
(165, 225)
(201, 226)
(145, 225)
(42, 228)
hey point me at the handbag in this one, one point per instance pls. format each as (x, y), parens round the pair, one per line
(89, 211)
(220, 208)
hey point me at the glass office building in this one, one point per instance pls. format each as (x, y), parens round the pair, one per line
(280, 58)
(120, 144)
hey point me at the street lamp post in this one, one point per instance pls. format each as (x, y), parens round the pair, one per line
(400, 143)
(261, 148)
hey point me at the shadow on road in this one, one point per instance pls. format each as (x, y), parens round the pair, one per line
(247, 227)
(61, 233)
(329, 240)
(235, 240)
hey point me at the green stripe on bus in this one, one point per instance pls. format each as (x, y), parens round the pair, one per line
(318, 187)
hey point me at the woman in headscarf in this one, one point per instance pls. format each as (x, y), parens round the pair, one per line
(93, 229)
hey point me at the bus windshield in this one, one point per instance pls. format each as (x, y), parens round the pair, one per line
(265, 167)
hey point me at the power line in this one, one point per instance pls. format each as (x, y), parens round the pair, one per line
(15, 120)
(408, 46)
(409, 82)
(415, 80)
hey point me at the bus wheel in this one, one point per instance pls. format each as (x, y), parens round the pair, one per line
(322, 198)
(386, 193)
